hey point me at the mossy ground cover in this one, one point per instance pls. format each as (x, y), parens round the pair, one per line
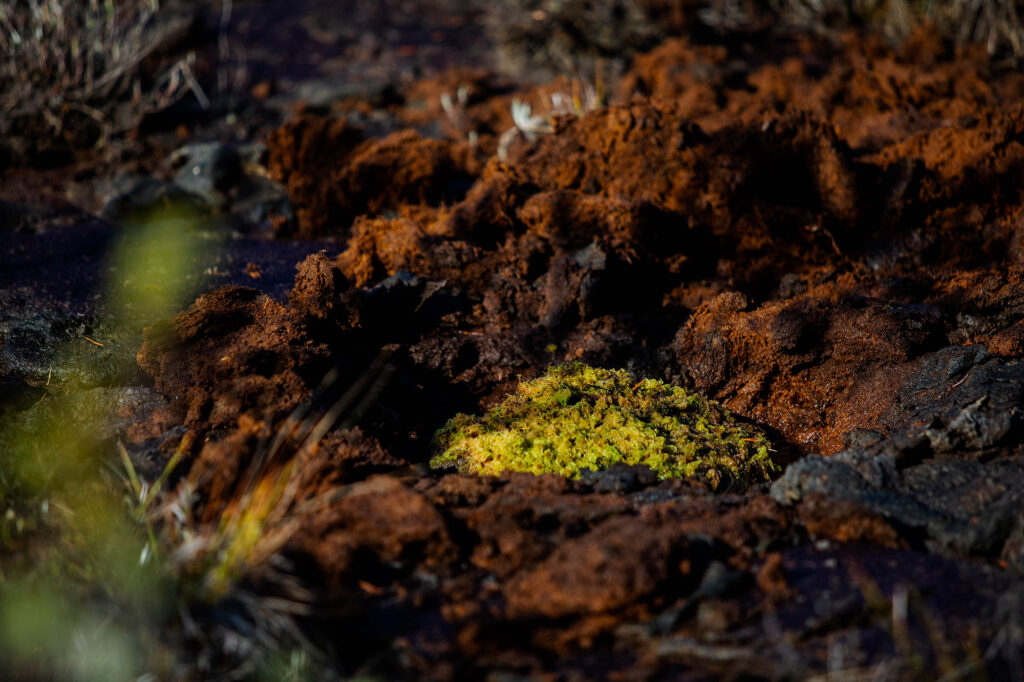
(576, 418)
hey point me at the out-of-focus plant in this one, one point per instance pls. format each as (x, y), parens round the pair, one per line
(81, 596)
(76, 602)
(155, 265)
(578, 98)
(455, 110)
(996, 24)
(548, 37)
(115, 577)
(74, 59)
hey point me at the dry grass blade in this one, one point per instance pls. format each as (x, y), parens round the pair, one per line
(145, 495)
(301, 430)
(238, 564)
(133, 477)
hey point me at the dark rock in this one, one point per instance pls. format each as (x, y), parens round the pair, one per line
(101, 413)
(620, 479)
(968, 507)
(860, 437)
(321, 93)
(937, 479)
(32, 334)
(210, 169)
(967, 400)
(394, 300)
(219, 173)
(401, 304)
(142, 196)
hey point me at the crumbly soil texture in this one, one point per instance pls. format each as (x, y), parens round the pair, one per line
(824, 236)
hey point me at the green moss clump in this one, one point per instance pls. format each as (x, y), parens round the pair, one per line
(577, 417)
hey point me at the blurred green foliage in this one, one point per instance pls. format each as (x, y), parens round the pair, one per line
(80, 596)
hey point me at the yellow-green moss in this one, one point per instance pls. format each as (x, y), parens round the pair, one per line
(577, 417)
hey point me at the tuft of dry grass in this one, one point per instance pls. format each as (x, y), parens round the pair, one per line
(566, 36)
(66, 61)
(994, 23)
(553, 37)
(239, 599)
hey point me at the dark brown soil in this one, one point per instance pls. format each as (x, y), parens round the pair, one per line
(825, 237)
(798, 242)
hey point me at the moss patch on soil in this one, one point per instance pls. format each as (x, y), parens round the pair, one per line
(577, 417)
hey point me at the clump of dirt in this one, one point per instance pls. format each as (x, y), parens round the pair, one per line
(813, 369)
(334, 174)
(233, 351)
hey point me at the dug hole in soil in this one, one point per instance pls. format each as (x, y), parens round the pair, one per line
(824, 237)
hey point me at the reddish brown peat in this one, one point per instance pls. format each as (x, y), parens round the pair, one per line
(806, 238)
